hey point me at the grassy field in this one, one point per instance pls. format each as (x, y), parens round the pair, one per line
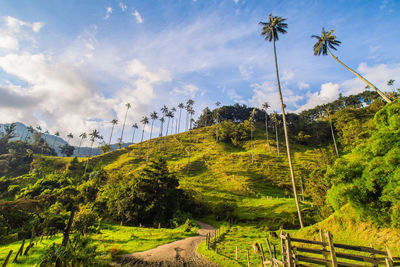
(113, 240)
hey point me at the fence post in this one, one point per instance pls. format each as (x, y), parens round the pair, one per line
(324, 251)
(7, 258)
(332, 249)
(269, 248)
(248, 258)
(281, 235)
(262, 252)
(288, 250)
(19, 251)
(389, 258)
(236, 252)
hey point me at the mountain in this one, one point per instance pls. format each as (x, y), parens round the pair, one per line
(22, 133)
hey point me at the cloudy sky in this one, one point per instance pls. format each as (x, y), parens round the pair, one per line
(72, 65)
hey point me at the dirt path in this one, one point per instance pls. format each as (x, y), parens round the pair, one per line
(179, 253)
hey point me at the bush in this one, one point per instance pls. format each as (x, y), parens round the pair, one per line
(85, 220)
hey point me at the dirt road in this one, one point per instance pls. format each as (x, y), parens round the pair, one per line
(179, 253)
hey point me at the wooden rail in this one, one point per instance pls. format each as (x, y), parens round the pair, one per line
(323, 253)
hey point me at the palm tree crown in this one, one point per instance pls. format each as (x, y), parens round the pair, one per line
(273, 27)
(325, 42)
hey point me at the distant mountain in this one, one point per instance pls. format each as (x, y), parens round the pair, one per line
(22, 133)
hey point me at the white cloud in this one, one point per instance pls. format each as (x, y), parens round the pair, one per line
(187, 90)
(135, 68)
(13, 30)
(108, 12)
(303, 85)
(122, 6)
(36, 26)
(138, 17)
(236, 1)
(328, 93)
(235, 96)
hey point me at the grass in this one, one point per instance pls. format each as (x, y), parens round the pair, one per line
(116, 238)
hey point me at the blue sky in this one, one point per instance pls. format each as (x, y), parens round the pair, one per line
(72, 65)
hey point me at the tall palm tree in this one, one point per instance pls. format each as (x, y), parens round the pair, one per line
(252, 128)
(217, 119)
(128, 106)
(82, 136)
(169, 115)
(162, 120)
(93, 136)
(266, 106)
(31, 130)
(274, 117)
(180, 106)
(271, 29)
(153, 117)
(325, 43)
(70, 136)
(113, 122)
(57, 134)
(189, 105)
(328, 112)
(134, 126)
(191, 113)
(173, 110)
(144, 121)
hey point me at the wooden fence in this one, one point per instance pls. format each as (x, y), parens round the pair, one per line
(303, 252)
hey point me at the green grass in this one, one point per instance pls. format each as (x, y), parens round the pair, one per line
(121, 239)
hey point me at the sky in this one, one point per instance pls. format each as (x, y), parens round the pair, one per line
(71, 66)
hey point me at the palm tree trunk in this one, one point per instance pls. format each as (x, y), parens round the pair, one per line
(252, 146)
(287, 140)
(79, 147)
(179, 124)
(276, 136)
(333, 136)
(190, 142)
(187, 119)
(112, 129)
(362, 78)
(133, 135)
(266, 130)
(123, 125)
(141, 141)
(165, 138)
(90, 154)
(148, 145)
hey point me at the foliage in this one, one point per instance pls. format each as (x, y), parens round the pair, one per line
(234, 133)
(67, 150)
(369, 176)
(85, 220)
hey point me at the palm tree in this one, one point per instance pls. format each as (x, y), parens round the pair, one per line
(191, 113)
(162, 120)
(173, 110)
(180, 106)
(328, 112)
(82, 136)
(128, 106)
(217, 119)
(252, 128)
(70, 136)
(274, 117)
(57, 134)
(144, 121)
(93, 136)
(153, 117)
(134, 126)
(270, 30)
(164, 111)
(170, 115)
(327, 41)
(31, 130)
(266, 106)
(113, 122)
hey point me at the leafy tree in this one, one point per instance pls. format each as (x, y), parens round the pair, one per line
(328, 41)
(328, 112)
(270, 30)
(67, 150)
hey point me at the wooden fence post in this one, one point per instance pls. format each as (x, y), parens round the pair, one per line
(248, 258)
(7, 258)
(269, 248)
(288, 251)
(262, 252)
(324, 251)
(19, 251)
(389, 258)
(283, 247)
(236, 252)
(331, 249)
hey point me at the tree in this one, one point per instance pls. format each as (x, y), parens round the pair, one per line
(113, 122)
(170, 115)
(134, 126)
(266, 106)
(93, 136)
(274, 117)
(153, 117)
(327, 41)
(252, 129)
(328, 112)
(164, 111)
(128, 106)
(57, 134)
(173, 110)
(144, 121)
(217, 118)
(270, 30)
(191, 113)
(162, 120)
(67, 150)
(180, 106)
(189, 105)
(70, 136)
(82, 136)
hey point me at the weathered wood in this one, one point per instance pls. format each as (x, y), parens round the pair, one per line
(27, 249)
(262, 252)
(19, 251)
(7, 258)
(331, 249)
(313, 242)
(248, 258)
(283, 247)
(269, 248)
(236, 257)
(361, 249)
(288, 251)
